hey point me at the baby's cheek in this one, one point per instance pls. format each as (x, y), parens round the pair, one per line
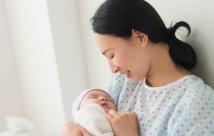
(113, 106)
(89, 102)
(96, 102)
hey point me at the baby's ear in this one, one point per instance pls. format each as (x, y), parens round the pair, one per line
(141, 37)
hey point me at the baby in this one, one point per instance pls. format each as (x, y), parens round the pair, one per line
(89, 110)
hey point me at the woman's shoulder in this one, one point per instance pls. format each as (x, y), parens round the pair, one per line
(198, 95)
(195, 110)
(194, 95)
(197, 87)
(196, 90)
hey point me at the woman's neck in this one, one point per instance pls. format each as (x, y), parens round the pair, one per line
(163, 70)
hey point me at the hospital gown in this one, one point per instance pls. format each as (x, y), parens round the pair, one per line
(181, 108)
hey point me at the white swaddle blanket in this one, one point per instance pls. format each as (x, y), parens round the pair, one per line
(92, 118)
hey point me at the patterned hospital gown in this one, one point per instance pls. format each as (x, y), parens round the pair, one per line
(181, 108)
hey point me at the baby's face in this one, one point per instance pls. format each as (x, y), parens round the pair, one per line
(99, 97)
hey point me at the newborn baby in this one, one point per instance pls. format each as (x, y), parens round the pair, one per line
(89, 110)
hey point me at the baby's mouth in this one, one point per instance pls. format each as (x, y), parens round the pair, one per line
(105, 106)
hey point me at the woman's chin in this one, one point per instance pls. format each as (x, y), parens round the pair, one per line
(136, 78)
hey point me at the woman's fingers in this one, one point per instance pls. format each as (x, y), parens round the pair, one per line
(123, 123)
(112, 112)
(84, 131)
(73, 129)
(112, 115)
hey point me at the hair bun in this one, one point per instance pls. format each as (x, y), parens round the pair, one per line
(173, 29)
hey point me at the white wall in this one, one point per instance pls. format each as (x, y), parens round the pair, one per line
(98, 71)
(50, 60)
(197, 13)
(52, 68)
(10, 96)
(36, 64)
(65, 26)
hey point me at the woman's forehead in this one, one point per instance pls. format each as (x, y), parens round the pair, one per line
(102, 39)
(109, 42)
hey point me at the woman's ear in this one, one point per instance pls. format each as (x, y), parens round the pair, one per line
(141, 37)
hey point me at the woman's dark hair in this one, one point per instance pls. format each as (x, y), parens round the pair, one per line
(120, 17)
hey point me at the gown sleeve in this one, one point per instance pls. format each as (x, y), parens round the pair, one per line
(115, 86)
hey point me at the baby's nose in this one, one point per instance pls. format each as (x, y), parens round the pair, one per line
(103, 98)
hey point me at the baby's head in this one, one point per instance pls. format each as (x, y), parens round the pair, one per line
(97, 96)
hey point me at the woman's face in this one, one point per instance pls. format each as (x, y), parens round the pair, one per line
(99, 97)
(128, 56)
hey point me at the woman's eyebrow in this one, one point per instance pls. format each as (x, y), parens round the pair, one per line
(104, 52)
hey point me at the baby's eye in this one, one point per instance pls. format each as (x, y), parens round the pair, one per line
(93, 97)
(108, 99)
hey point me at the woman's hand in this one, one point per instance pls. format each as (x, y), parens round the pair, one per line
(123, 123)
(72, 129)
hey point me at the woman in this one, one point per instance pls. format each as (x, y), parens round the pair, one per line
(158, 88)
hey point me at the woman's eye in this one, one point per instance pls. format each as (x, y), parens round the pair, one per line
(112, 56)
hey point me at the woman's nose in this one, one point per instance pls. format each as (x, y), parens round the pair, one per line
(113, 67)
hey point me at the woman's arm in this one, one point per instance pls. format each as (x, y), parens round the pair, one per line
(72, 129)
(123, 123)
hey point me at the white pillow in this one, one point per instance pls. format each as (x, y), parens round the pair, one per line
(19, 124)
